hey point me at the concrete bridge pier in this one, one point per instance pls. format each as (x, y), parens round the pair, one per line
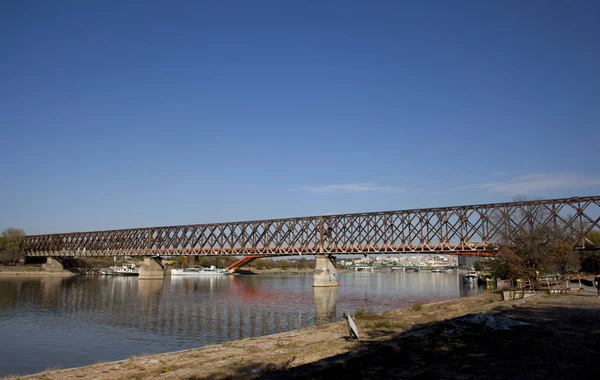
(325, 271)
(152, 269)
(53, 265)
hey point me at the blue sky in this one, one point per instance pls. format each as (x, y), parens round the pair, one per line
(158, 113)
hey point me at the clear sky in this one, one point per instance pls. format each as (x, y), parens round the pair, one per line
(151, 113)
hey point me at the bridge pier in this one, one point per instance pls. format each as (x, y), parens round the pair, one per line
(325, 272)
(152, 269)
(53, 265)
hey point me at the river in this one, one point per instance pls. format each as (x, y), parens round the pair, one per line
(49, 322)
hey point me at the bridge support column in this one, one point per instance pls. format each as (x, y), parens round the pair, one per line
(152, 269)
(53, 265)
(325, 272)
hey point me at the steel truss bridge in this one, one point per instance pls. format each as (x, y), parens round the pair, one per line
(465, 230)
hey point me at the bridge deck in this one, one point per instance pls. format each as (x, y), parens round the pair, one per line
(465, 230)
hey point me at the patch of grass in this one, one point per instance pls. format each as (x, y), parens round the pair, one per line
(416, 307)
(387, 325)
(260, 370)
(282, 344)
(364, 314)
(167, 368)
(271, 368)
(51, 369)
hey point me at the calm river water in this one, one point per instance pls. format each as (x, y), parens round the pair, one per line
(67, 322)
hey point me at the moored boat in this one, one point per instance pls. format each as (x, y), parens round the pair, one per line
(470, 277)
(126, 270)
(212, 271)
(439, 270)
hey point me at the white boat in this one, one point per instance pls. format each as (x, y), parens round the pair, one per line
(470, 277)
(212, 271)
(126, 270)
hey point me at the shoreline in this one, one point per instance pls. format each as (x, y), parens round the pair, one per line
(31, 273)
(283, 339)
(313, 348)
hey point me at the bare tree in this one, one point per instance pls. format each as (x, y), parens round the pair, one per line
(531, 243)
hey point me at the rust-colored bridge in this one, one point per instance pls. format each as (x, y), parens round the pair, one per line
(464, 230)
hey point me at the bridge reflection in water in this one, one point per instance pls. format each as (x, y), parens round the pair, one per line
(97, 319)
(212, 308)
(325, 300)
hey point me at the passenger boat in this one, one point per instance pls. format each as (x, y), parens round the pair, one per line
(470, 277)
(439, 270)
(212, 271)
(126, 270)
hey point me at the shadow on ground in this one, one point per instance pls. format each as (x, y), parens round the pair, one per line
(560, 340)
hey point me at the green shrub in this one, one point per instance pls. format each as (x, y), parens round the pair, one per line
(417, 307)
(364, 314)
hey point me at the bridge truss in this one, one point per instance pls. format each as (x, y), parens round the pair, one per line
(465, 230)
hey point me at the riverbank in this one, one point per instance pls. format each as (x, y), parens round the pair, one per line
(26, 270)
(430, 340)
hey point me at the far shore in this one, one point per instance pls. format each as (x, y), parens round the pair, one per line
(31, 270)
(39, 271)
(37, 274)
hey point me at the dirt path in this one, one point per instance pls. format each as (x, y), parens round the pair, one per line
(425, 341)
(561, 340)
